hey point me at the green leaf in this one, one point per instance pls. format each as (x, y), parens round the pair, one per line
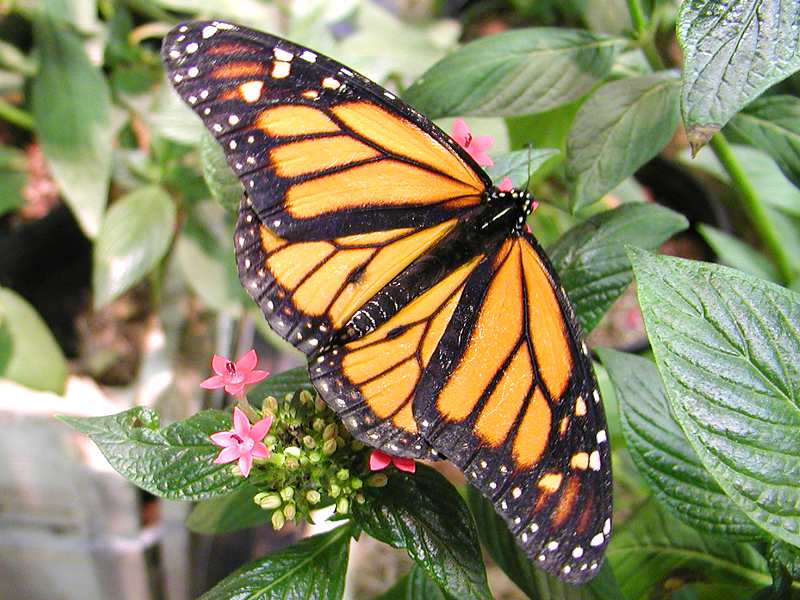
(30, 354)
(772, 124)
(72, 109)
(175, 462)
(514, 73)
(12, 178)
(536, 584)
(619, 128)
(726, 345)
(416, 585)
(733, 252)
(220, 179)
(424, 514)
(662, 454)
(591, 261)
(732, 51)
(227, 513)
(281, 384)
(785, 556)
(134, 236)
(518, 165)
(312, 568)
(652, 547)
(769, 182)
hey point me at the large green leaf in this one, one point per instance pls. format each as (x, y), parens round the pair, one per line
(280, 384)
(424, 514)
(620, 127)
(536, 584)
(221, 181)
(726, 345)
(772, 124)
(733, 252)
(591, 261)
(312, 568)
(662, 454)
(29, 354)
(134, 236)
(514, 73)
(72, 109)
(653, 547)
(733, 51)
(416, 585)
(519, 165)
(772, 187)
(175, 462)
(227, 513)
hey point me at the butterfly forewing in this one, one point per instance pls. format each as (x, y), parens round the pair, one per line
(321, 151)
(509, 397)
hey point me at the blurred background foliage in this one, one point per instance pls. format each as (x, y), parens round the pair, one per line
(116, 211)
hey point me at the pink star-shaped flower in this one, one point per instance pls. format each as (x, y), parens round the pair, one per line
(505, 185)
(378, 461)
(243, 442)
(234, 376)
(476, 147)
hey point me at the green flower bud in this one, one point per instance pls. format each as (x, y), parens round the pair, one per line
(340, 441)
(289, 511)
(356, 483)
(314, 457)
(377, 480)
(343, 475)
(309, 442)
(270, 404)
(319, 404)
(319, 425)
(330, 432)
(270, 441)
(278, 459)
(342, 506)
(269, 501)
(293, 451)
(287, 493)
(334, 491)
(278, 520)
(329, 447)
(357, 445)
(288, 398)
(360, 498)
(313, 497)
(305, 397)
(292, 464)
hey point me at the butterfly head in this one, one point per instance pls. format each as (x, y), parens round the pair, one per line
(520, 200)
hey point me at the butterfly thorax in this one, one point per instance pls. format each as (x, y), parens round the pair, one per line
(508, 209)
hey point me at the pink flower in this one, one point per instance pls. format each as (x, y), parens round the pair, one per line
(476, 147)
(505, 185)
(233, 376)
(378, 461)
(243, 442)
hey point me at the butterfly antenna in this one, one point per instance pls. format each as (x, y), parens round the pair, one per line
(530, 165)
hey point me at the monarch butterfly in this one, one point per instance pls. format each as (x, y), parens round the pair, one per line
(433, 322)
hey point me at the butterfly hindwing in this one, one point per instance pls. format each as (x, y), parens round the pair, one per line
(309, 290)
(321, 151)
(510, 398)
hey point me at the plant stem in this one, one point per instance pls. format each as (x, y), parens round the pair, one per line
(753, 206)
(637, 17)
(15, 115)
(644, 35)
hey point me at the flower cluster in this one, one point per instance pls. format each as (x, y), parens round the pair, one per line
(295, 451)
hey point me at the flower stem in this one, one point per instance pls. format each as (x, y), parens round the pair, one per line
(15, 116)
(248, 409)
(644, 35)
(753, 206)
